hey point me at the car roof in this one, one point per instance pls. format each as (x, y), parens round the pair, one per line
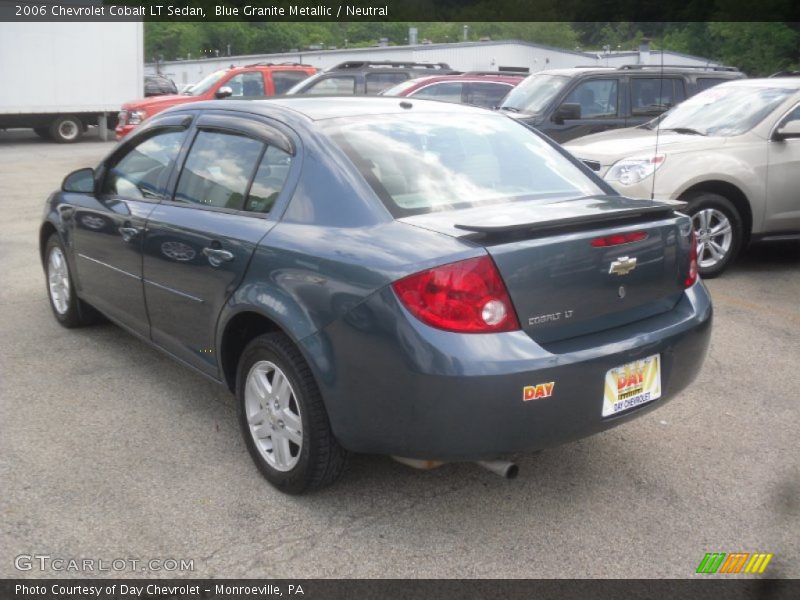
(642, 69)
(766, 82)
(478, 77)
(319, 108)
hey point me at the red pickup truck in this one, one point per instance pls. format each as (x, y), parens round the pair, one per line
(252, 81)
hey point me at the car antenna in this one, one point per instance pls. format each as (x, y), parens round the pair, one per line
(658, 125)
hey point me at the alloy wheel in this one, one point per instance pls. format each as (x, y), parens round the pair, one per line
(714, 236)
(273, 415)
(58, 280)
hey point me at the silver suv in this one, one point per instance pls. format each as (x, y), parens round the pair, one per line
(732, 152)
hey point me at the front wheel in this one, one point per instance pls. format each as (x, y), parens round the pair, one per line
(283, 419)
(68, 309)
(718, 228)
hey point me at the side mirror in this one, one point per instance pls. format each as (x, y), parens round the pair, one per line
(79, 182)
(790, 130)
(224, 92)
(567, 111)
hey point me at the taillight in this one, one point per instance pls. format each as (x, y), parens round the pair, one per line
(691, 278)
(468, 296)
(619, 238)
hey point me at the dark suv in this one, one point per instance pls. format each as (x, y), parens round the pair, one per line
(365, 78)
(158, 85)
(570, 103)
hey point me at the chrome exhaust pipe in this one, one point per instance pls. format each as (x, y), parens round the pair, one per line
(504, 468)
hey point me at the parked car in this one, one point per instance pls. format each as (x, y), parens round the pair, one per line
(252, 81)
(158, 85)
(732, 152)
(570, 103)
(364, 78)
(407, 277)
(486, 89)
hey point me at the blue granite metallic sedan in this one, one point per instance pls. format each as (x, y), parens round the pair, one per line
(430, 281)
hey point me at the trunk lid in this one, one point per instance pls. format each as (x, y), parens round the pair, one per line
(562, 285)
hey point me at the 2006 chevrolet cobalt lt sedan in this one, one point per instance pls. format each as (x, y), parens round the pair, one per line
(412, 278)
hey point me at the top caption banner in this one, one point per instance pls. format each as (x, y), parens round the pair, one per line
(399, 10)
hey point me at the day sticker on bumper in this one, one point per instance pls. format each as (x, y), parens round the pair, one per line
(632, 384)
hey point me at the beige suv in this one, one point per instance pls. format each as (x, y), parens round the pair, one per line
(732, 152)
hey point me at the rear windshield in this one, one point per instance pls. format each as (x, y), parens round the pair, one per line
(432, 162)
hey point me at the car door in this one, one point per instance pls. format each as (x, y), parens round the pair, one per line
(200, 241)
(109, 227)
(600, 110)
(783, 180)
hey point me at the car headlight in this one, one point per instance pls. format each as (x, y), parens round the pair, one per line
(136, 116)
(634, 169)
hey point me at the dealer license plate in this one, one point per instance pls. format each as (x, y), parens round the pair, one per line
(633, 384)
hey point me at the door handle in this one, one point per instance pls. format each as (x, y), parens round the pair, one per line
(128, 233)
(216, 256)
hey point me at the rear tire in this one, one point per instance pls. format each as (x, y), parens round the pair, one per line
(718, 227)
(68, 309)
(283, 419)
(66, 129)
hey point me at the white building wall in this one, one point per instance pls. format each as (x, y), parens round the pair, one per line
(469, 56)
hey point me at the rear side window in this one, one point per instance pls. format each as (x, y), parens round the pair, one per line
(597, 97)
(377, 82)
(654, 95)
(487, 95)
(269, 180)
(430, 162)
(142, 171)
(218, 169)
(333, 86)
(449, 91)
(282, 81)
(703, 83)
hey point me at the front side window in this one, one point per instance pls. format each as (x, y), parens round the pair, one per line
(283, 81)
(247, 85)
(218, 169)
(142, 172)
(333, 86)
(597, 98)
(449, 91)
(269, 180)
(432, 162)
(377, 82)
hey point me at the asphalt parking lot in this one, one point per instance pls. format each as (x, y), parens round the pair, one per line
(108, 450)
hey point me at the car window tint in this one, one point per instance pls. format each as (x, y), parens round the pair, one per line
(377, 82)
(597, 98)
(487, 95)
(247, 85)
(448, 91)
(284, 80)
(653, 95)
(143, 170)
(333, 86)
(217, 170)
(420, 163)
(269, 180)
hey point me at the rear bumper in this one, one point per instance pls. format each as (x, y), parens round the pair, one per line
(395, 386)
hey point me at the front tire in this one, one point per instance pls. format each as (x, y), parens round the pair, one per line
(68, 309)
(283, 419)
(718, 227)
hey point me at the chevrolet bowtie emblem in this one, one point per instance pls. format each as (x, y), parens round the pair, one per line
(622, 266)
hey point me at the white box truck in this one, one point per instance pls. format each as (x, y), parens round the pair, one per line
(60, 78)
